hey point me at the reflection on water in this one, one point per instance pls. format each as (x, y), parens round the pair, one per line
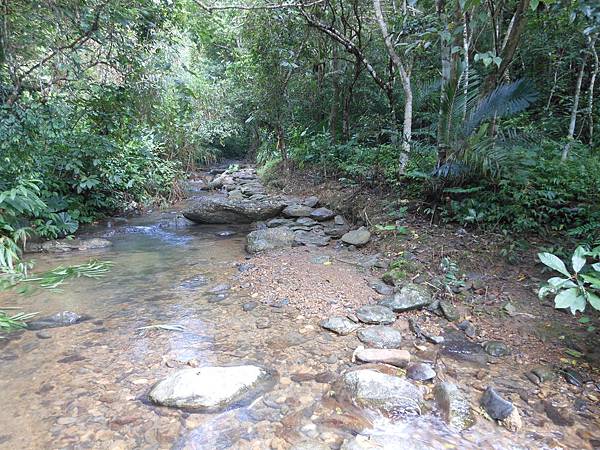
(85, 386)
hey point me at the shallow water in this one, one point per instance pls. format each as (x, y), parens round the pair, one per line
(86, 386)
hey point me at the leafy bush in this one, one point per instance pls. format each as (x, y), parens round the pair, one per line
(549, 196)
(575, 290)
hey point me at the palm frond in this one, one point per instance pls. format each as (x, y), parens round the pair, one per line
(506, 99)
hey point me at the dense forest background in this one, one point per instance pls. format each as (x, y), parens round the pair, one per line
(483, 109)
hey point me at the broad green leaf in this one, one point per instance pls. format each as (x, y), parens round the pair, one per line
(554, 262)
(578, 259)
(593, 279)
(584, 319)
(558, 282)
(594, 300)
(570, 298)
(534, 4)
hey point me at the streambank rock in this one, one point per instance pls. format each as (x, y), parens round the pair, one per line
(420, 372)
(394, 357)
(61, 319)
(454, 406)
(210, 389)
(311, 238)
(375, 314)
(337, 227)
(411, 296)
(220, 210)
(495, 405)
(339, 325)
(380, 337)
(385, 393)
(269, 239)
(322, 214)
(294, 211)
(357, 237)
(68, 245)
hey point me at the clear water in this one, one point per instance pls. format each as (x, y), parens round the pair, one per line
(86, 386)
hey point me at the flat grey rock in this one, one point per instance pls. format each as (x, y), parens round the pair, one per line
(61, 319)
(293, 211)
(339, 325)
(209, 389)
(420, 372)
(375, 314)
(380, 337)
(385, 393)
(219, 210)
(357, 238)
(392, 356)
(311, 238)
(322, 214)
(269, 239)
(453, 405)
(411, 296)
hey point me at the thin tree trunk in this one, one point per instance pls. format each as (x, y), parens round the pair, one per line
(573, 121)
(335, 101)
(467, 66)
(509, 47)
(348, 97)
(592, 45)
(406, 86)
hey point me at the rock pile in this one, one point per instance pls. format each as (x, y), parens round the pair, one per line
(241, 198)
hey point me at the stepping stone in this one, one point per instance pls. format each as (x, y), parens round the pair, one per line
(394, 357)
(380, 337)
(411, 296)
(210, 388)
(385, 393)
(339, 325)
(420, 372)
(375, 314)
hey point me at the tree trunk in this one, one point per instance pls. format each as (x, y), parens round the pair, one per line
(509, 47)
(592, 45)
(335, 100)
(348, 97)
(573, 121)
(406, 86)
(281, 146)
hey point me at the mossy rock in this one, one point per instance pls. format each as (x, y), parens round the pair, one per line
(394, 277)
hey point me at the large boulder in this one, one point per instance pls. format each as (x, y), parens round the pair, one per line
(219, 210)
(269, 239)
(377, 391)
(210, 389)
(411, 296)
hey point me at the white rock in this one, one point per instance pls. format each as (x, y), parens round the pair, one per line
(207, 388)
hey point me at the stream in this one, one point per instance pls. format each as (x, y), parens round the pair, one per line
(86, 385)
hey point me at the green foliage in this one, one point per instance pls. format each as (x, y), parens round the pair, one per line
(14, 322)
(574, 291)
(551, 196)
